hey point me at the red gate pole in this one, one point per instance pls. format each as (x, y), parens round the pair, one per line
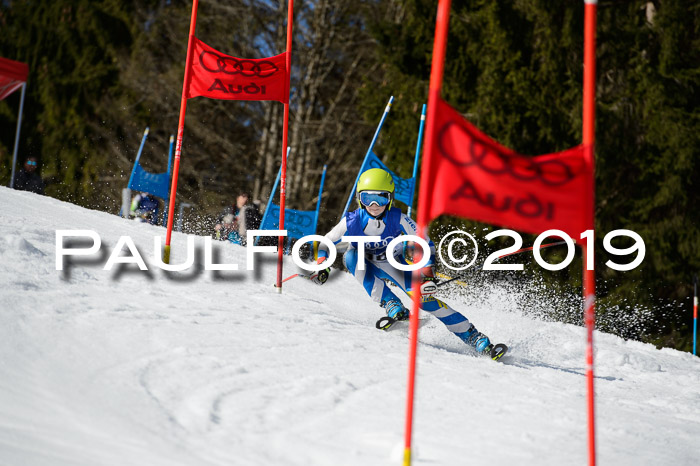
(180, 131)
(437, 67)
(285, 129)
(589, 142)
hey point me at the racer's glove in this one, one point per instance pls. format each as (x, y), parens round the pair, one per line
(321, 276)
(429, 286)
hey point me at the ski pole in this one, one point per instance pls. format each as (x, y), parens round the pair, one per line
(695, 314)
(318, 261)
(506, 255)
(310, 277)
(450, 280)
(290, 277)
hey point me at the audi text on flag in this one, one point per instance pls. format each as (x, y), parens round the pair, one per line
(472, 176)
(219, 76)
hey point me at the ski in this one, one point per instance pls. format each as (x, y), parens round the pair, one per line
(386, 322)
(497, 351)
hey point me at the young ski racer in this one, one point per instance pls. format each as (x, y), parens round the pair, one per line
(377, 217)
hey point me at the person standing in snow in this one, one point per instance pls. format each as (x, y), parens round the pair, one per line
(27, 179)
(235, 221)
(377, 217)
(144, 207)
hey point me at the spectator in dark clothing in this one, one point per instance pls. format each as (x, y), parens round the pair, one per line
(27, 179)
(144, 207)
(237, 219)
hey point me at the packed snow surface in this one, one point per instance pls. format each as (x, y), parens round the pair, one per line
(131, 367)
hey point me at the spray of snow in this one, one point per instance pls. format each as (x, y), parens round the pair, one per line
(216, 368)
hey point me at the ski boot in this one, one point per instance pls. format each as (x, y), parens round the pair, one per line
(483, 345)
(395, 311)
(478, 340)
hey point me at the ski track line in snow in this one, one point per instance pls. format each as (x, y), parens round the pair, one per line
(124, 367)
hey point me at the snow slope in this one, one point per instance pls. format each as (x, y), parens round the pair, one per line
(216, 368)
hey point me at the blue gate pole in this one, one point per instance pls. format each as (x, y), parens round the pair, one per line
(320, 193)
(19, 125)
(695, 314)
(415, 160)
(170, 153)
(170, 160)
(371, 146)
(138, 156)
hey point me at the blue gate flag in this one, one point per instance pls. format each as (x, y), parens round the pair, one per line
(403, 187)
(298, 223)
(157, 184)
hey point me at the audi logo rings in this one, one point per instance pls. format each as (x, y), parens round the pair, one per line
(216, 63)
(524, 168)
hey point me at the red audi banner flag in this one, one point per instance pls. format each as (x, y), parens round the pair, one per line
(219, 76)
(12, 75)
(472, 176)
(466, 173)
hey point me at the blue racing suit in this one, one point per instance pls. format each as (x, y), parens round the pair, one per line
(390, 225)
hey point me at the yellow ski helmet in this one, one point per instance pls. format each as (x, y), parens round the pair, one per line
(376, 180)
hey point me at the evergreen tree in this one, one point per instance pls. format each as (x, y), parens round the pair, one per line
(103, 70)
(515, 70)
(74, 49)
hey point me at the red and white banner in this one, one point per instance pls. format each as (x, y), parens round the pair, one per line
(219, 76)
(12, 75)
(210, 73)
(465, 173)
(472, 176)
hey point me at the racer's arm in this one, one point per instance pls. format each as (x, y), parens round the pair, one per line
(429, 285)
(409, 227)
(334, 236)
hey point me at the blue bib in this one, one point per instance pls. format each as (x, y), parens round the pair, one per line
(356, 222)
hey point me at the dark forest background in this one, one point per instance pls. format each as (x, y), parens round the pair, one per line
(103, 70)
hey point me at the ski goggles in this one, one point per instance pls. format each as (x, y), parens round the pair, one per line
(381, 198)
